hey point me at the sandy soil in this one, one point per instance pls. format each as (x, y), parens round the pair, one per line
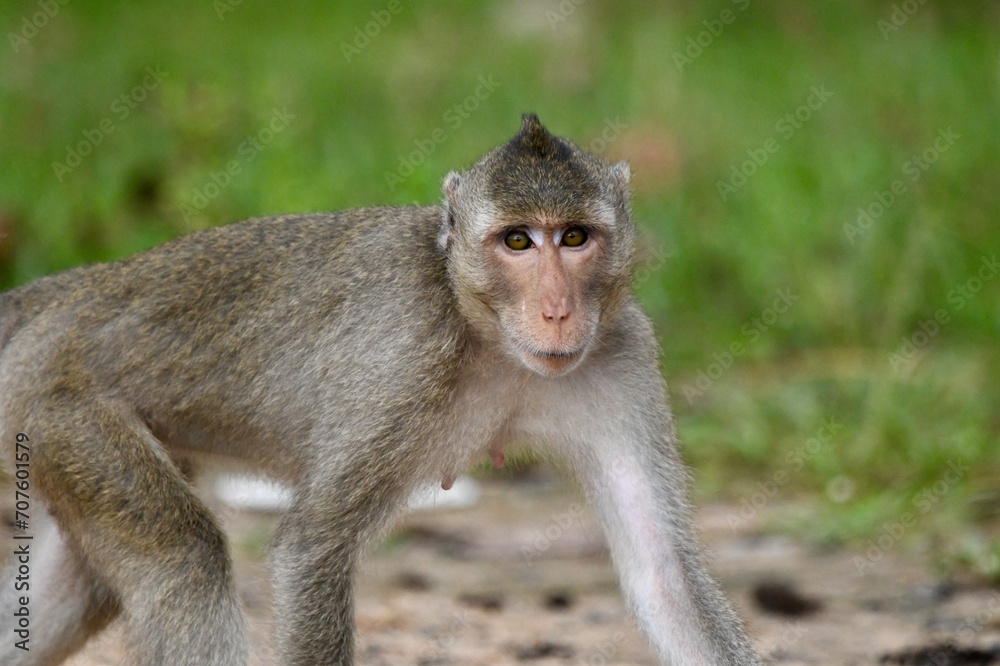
(523, 577)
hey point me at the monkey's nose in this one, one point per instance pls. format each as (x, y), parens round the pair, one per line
(556, 314)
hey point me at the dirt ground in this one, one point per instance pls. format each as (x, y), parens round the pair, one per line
(522, 577)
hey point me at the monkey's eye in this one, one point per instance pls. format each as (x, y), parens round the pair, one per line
(517, 240)
(574, 237)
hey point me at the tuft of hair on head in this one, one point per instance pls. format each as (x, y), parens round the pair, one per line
(537, 170)
(534, 141)
(533, 136)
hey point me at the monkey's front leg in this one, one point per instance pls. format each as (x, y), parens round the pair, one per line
(633, 475)
(313, 560)
(313, 597)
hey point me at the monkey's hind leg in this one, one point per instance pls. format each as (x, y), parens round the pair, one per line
(139, 526)
(65, 604)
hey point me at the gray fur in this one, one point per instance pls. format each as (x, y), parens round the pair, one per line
(353, 356)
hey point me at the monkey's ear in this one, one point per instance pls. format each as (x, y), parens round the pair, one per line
(621, 175)
(452, 182)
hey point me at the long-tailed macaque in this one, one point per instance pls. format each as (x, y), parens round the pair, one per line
(353, 356)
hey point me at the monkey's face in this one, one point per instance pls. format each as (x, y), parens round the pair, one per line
(545, 276)
(539, 241)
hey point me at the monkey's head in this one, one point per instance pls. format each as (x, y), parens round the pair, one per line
(539, 240)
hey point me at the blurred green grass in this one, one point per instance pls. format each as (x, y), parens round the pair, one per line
(709, 268)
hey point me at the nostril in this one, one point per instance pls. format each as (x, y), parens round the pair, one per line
(555, 309)
(555, 317)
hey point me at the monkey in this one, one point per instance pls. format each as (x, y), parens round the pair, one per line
(353, 356)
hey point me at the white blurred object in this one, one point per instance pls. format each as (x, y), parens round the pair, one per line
(259, 494)
(253, 493)
(464, 493)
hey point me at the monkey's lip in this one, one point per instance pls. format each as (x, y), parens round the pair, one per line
(552, 363)
(555, 355)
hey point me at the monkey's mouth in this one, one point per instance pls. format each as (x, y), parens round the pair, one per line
(546, 354)
(552, 362)
(555, 355)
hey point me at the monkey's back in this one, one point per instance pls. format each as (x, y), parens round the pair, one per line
(215, 334)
